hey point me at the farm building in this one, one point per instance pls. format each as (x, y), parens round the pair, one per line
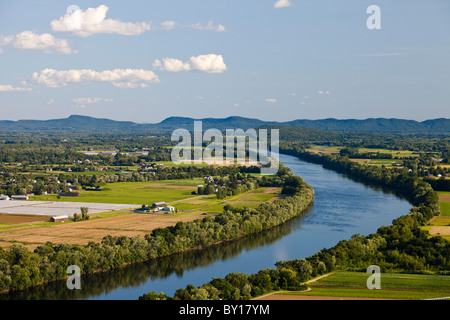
(59, 219)
(168, 209)
(4, 197)
(159, 204)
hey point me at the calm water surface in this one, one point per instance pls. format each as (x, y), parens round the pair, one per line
(341, 209)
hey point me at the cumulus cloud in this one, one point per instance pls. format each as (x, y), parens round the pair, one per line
(172, 65)
(82, 102)
(91, 100)
(93, 21)
(209, 63)
(28, 40)
(121, 78)
(168, 25)
(210, 27)
(271, 100)
(9, 88)
(282, 4)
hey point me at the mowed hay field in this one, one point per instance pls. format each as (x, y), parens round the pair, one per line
(126, 222)
(81, 233)
(133, 192)
(353, 285)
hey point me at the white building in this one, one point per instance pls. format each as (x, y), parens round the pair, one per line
(4, 197)
(168, 209)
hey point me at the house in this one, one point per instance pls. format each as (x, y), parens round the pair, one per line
(19, 197)
(168, 209)
(4, 197)
(59, 219)
(159, 204)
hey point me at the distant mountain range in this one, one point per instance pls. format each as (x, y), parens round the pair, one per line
(78, 123)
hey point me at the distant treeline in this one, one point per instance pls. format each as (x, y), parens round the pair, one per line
(400, 247)
(20, 268)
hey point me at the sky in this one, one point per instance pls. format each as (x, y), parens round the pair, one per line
(275, 60)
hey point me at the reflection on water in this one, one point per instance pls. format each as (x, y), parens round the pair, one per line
(136, 274)
(342, 207)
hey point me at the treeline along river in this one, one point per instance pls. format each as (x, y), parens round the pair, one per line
(342, 208)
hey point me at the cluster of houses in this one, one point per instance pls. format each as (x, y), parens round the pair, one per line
(157, 207)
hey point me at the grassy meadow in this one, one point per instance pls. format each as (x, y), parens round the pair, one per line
(393, 286)
(133, 192)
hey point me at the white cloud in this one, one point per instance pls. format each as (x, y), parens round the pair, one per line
(93, 21)
(282, 4)
(51, 101)
(271, 100)
(210, 27)
(209, 63)
(28, 40)
(9, 88)
(91, 100)
(168, 25)
(172, 65)
(320, 92)
(82, 102)
(121, 78)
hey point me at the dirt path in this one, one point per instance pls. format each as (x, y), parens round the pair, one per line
(273, 295)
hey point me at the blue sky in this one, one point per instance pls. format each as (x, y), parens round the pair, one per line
(145, 61)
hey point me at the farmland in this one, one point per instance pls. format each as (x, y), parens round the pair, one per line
(81, 233)
(352, 285)
(116, 219)
(133, 192)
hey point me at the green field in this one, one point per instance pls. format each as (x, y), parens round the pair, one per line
(134, 192)
(211, 204)
(445, 208)
(393, 286)
(395, 153)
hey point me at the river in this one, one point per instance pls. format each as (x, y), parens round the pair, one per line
(342, 208)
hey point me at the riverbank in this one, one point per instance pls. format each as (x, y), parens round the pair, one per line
(118, 251)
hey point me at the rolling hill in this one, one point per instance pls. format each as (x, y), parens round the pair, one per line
(79, 123)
